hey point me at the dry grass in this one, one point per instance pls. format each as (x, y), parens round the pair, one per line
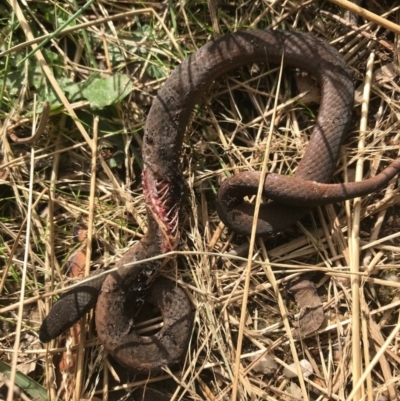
(353, 248)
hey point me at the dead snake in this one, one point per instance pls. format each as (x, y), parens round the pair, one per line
(122, 292)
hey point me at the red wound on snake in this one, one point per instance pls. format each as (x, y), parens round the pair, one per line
(163, 207)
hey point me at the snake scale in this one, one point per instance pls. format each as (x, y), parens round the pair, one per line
(118, 295)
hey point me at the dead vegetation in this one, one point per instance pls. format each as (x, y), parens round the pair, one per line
(85, 166)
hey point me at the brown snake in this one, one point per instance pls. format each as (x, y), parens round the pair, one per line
(118, 295)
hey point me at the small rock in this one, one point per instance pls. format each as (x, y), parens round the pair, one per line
(265, 364)
(306, 368)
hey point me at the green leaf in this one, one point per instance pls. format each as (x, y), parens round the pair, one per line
(102, 92)
(72, 90)
(25, 383)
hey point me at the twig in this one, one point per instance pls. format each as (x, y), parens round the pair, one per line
(40, 129)
(362, 12)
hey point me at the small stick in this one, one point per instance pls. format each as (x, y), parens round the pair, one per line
(40, 129)
(362, 12)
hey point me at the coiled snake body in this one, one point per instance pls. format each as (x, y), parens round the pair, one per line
(120, 292)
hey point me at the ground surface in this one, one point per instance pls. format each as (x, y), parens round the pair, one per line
(353, 249)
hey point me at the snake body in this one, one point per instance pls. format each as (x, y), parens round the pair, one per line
(123, 291)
